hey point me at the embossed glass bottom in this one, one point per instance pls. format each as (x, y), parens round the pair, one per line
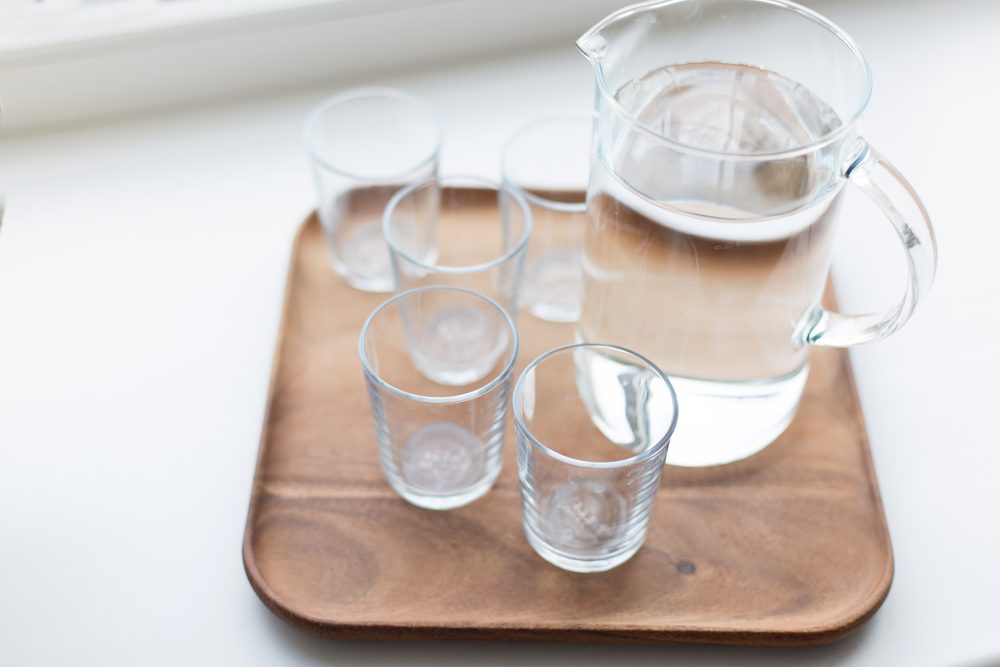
(440, 434)
(443, 466)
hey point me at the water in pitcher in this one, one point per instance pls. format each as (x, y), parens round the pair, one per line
(712, 270)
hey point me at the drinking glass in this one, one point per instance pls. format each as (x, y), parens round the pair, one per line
(464, 232)
(589, 464)
(439, 443)
(548, 162)
(364, 145)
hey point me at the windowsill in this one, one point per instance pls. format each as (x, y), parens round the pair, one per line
(40, 31)
(137, 58)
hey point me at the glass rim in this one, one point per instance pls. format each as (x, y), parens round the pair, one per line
(447, 181)
(644, 455)
(370, 92)
(504, 373)
(830, 137)
(551, 204)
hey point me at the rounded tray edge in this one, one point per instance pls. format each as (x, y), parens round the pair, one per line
(259, 585)
(819, 635)
(843, 627)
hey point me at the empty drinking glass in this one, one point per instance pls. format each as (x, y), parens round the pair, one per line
(590, 465)
(365, 145)
(548, 163)
(464, 232)
(439, 443)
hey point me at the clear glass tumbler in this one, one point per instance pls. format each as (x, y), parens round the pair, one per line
(439, 443)
(464, 232)
(589, 475)
(548, 163)
(364, 145)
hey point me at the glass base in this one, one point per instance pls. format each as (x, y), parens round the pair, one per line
(553, 286)
(576, 563)
(442, 466)
(722, 422)
(719, 422)
(444, 501)
(361, 257)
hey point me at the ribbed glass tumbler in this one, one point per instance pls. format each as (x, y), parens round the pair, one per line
(439, 442)
(547, 162)
(364, 145)
(593, 423)
(462, 231)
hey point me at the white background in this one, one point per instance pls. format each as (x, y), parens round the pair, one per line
(142, 265)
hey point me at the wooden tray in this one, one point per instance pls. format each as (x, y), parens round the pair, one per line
(787, 547)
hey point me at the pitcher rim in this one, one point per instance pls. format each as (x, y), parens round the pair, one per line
(830, 137)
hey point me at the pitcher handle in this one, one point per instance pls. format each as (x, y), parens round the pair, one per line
(892, 193)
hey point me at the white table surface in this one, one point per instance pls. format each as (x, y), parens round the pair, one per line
(142, 266)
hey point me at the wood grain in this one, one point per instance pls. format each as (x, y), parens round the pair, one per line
(787, 547)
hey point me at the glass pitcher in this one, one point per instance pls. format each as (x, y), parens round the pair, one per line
(723, 133)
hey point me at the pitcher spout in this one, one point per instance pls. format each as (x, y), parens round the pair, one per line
(593, 45)
(616, 28)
